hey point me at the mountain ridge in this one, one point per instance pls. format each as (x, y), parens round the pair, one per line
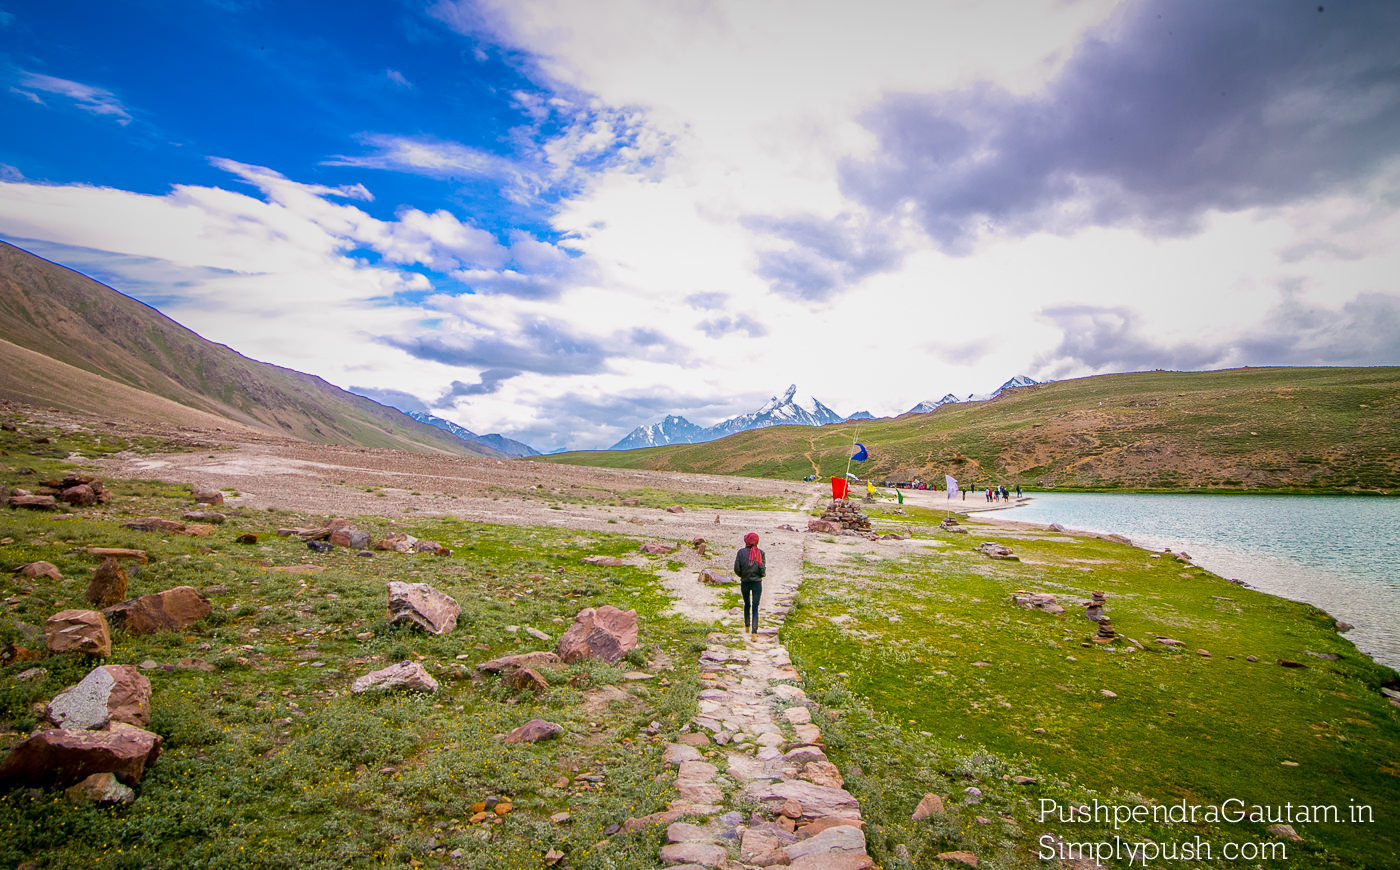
(71, 323)
(789, 409)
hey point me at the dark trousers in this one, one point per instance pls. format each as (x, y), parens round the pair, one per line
(751, 590)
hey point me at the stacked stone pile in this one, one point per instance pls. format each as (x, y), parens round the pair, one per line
(1093, 610)
(848, 515)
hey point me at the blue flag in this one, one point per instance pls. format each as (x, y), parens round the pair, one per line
(860, 455)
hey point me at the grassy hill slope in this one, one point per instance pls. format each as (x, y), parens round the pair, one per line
(65, 316)
(1267, 429)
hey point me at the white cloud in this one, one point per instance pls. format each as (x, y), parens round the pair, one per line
(87, 97)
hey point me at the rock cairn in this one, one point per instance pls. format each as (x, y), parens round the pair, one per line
(753, 742)
(950, 524)
(1093, 610)
(848, 515)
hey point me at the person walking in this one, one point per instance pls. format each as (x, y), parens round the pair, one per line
(748, 564)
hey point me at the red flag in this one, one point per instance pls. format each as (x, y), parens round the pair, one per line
(838, 487)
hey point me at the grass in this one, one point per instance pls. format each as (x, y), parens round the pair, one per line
(1317, 430)
(269, 761)
(945, 684)
(654, 498)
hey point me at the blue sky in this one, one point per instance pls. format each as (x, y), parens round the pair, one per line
(560, 220)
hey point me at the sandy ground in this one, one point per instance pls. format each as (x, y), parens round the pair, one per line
(270, 472)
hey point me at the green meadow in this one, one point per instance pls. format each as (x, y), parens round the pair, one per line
(268, 759)
(941, 683)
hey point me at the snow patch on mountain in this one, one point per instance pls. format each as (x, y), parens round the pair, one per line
(508, 446)
(789, 409)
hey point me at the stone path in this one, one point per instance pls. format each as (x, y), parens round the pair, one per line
(753, 741)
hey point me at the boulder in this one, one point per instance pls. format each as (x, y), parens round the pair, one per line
(931, 805)
(997, 551)
(409, 676)
(824, 526)
(80, 495)
(675, 509)
(355, 539)
(524, 660)
(154, 524)
(33, 502)
(526, 678)
(61, 757)
(108, 584)
(604, 633)
(603, 561)
(110, 693)
(421, 605)
(83, 631)
(432, 547)
(396, 542)
(213, 497)
(534, 731)
(1037, 601)
(171, 610)
(101, 789)
(35, 570)
(655, 548)
(717, 578)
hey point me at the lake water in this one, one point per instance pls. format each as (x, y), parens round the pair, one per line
(1340, 553)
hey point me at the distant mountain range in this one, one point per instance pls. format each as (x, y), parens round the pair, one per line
(69, 342)
(789, 409)
(508, 446)
(927, 406)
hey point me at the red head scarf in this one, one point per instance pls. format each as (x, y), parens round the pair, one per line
(755, 554)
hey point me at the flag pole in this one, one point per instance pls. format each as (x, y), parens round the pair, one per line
(855, 433)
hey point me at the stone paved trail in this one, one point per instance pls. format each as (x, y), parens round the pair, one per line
(753, 742)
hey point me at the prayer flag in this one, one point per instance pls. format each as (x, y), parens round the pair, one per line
(952, 485)
(838, 487)
(860, 455)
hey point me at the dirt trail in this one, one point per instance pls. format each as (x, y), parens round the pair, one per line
(754, 721)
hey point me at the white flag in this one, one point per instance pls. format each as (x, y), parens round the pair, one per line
(952, 485)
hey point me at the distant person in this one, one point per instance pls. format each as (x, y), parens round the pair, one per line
(748, 564)
(1018, 490)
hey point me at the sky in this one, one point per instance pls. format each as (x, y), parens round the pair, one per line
(559, 220)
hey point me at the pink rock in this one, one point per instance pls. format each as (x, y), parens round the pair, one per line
(604, 633)
(816, 800)
(60, 757)
(604, 561)
(654, 548)
(675, 509)
(704, 854)
(79, 496)
(409, 676)
(526, 678)
(967, 858)
(82, 631)
(823, 526)
(35, 570)
(213, 497)
(534, 731)
(110, 693)
(421, 605)
(717, 578)
(171, 610)
(833, 861)
(930, 805)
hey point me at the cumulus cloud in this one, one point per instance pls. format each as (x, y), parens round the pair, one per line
(489, 381)
(1365, 330)
(823, 257)
(1169, 111)
(94, 100)
(542, 346)
(393, 398)
(425, 156)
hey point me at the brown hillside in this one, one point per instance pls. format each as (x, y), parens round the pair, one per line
(87, 326)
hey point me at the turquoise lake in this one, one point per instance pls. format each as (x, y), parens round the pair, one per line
(1340, 553)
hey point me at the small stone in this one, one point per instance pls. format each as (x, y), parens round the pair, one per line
(967, 858)
(930, 805)
(1108, 694)
(559, 818)
(1285, 832)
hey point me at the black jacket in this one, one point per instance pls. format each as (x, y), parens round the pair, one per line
(749, 572)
